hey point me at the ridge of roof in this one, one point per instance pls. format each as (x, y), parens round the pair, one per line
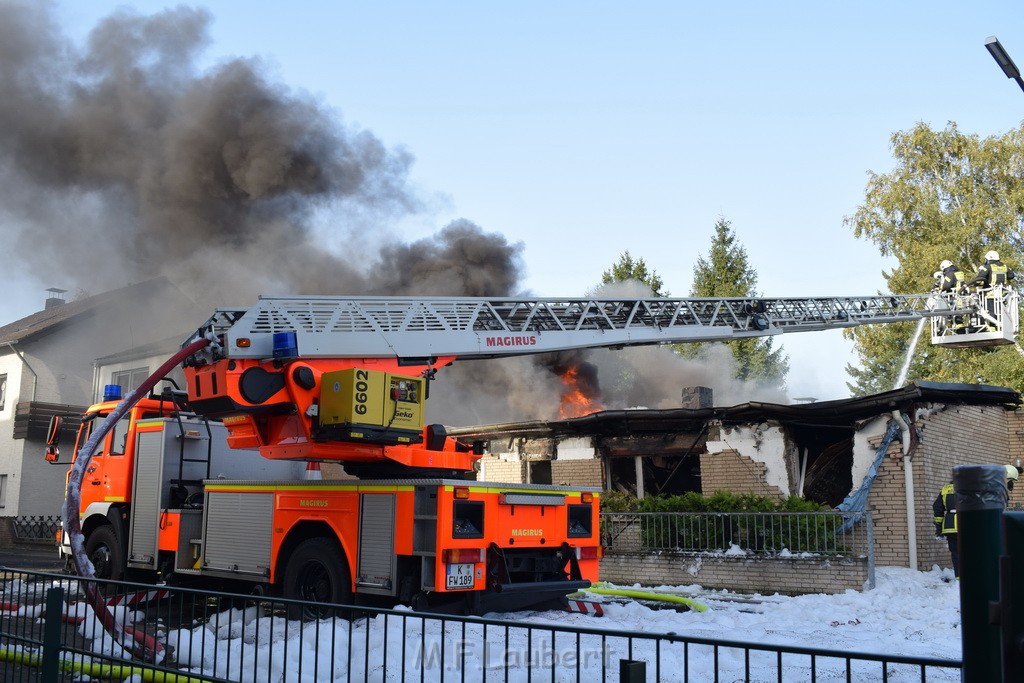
(48, 319)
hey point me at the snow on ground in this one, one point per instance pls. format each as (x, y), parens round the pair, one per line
(908, 613)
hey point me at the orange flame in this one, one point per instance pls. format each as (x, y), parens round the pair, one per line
(575, 401)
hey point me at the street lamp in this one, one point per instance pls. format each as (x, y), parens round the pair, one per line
(995, 49)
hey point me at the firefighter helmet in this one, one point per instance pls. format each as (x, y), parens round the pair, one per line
(992, 255)
(1012, 472)
(945, 264)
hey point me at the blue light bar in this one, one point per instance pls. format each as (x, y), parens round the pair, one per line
(286, 345)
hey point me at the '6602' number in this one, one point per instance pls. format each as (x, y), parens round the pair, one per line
(362, 387)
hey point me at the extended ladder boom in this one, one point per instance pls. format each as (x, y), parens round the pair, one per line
(472, 327)
(345, 378)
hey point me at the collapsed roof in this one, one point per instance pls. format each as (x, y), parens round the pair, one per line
(824, 413)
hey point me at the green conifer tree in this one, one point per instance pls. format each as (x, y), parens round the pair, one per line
(628, 268)
(726, 272)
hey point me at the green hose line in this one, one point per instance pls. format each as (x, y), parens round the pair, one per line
(103, 671)
(645, 595)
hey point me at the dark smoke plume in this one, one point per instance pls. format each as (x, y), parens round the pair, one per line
(123, 152)
(121, 160)
(459, 261)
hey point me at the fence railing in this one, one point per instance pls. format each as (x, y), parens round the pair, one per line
(202, 636)
(848, 534)
(41, 528)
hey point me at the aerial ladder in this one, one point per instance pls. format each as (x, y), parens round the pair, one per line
(263, 372)
(202, 485)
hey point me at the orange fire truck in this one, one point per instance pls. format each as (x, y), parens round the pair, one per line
(208, 483)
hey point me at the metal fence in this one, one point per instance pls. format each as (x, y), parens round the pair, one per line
(47, 634)
(848, 534)
(37, 528)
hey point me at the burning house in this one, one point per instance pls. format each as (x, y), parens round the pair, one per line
(822, 451)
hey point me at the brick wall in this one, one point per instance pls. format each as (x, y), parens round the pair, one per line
(956, 435)
(766, 576)
(495, 469)
(730, 471)
(6, 531)
(577, 472)
(953, 435)
(1015, 450)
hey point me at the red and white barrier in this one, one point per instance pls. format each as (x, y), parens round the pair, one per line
(584, 607)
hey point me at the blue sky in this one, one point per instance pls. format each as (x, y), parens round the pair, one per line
(585, 129)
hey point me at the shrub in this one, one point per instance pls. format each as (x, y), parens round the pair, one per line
(617, 501)
(719, 501)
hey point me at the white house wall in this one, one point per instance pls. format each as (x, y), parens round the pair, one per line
(63, 375)
(765, 443)
(576, 448)
(63, 368)
(12, 366)
(59, 374)
(11, 449)
(504, 449)
(863, 450)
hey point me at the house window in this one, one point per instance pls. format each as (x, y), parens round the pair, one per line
(3, 391)
(3, 490)
(129, 380)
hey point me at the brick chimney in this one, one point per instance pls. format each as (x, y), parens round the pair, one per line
(55, 299)
(697, 397)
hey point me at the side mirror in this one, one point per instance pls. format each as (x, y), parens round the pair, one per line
(53, 439)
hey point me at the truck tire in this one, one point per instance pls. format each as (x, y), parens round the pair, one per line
(104, 551)
(317, 572)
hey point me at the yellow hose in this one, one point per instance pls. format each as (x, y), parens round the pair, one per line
(105, 671)
(646, 595)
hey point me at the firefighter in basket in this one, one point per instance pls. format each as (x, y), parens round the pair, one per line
(949, 282)
(990, 280)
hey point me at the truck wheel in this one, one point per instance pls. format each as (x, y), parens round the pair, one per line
(104, 551)
(317, 572)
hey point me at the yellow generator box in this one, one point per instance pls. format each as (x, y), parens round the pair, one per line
(371, 405)
(353, 396)
(403, 407)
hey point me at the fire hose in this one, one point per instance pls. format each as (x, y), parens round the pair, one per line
(140, 646)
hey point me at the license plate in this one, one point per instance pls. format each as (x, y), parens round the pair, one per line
(460, 576)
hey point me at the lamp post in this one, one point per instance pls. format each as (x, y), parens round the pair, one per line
(995, 49)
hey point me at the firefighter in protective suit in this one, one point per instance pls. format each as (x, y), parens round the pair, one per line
(992, 273)
(949, 280)
(944, 509)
